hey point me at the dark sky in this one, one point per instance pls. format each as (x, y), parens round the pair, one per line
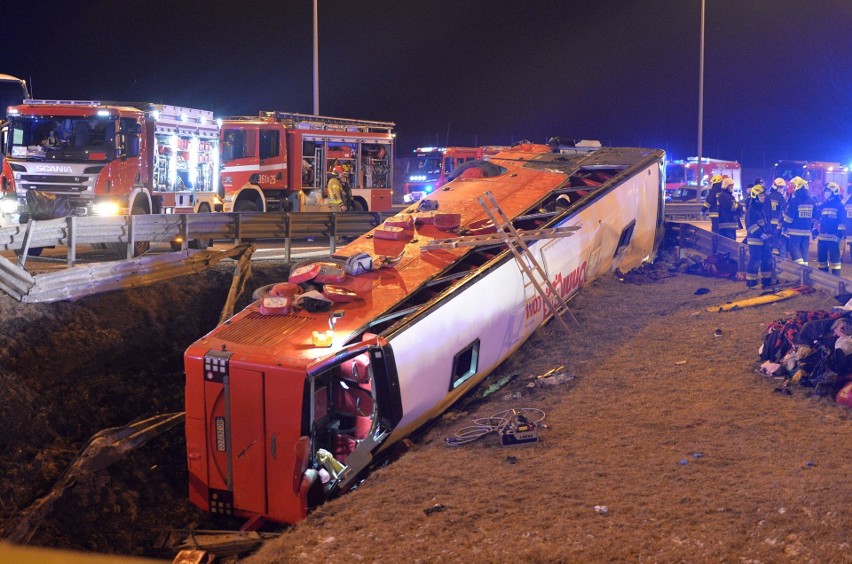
(778, 73)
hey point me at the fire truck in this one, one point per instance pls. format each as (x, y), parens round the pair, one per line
(431, 167)
(279, 161)
(81, 158)
(817, 173)
(684, 174)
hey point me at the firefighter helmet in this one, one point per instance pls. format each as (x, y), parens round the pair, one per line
(799, 183)
(757, 190)
(779, 183)
(833, 188)
(716, 179)
(727, 182)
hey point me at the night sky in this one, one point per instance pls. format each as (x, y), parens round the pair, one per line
(778, 73)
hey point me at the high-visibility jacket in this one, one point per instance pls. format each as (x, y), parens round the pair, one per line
(799, 215)
(335, 192)
(775, 202)
(758, 222)
(832, 220)
(729, 210)
(711, 205)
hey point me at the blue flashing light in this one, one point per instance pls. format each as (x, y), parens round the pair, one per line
(428, 188)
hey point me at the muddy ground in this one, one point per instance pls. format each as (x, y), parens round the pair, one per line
(666, 425)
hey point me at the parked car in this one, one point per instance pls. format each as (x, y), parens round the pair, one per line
(686, 194)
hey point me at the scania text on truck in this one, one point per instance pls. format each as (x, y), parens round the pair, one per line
(279, 161)
(430, 168)
(80, 158)
(683, 175)
(817, 173)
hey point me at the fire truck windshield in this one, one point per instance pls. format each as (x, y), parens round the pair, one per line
(424, 168)
(788, 169)
(675, 172)
(238, 144)
(62, 138)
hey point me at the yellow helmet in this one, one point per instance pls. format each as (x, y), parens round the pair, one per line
(833, 188)
(799, 183)
(757, 190)
(727, 182)
(779, 183)
(717, 178)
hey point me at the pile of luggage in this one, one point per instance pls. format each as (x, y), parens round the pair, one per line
(812, 349)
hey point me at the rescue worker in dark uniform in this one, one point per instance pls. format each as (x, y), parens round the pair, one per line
(711, 203)
(831, 229)
(848, 222)
(729, 210)
(759, 235)
(798, 220)
(776, 202)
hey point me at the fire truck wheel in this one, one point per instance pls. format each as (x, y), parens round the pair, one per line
(358, 206)
(201, 243)
(245, 206)
(139, 248)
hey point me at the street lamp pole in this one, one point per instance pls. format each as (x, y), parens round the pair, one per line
(316, 61)
(700, 98)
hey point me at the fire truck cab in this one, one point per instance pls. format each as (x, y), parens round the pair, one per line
(817, 173)
(80, 158)
(682, 175)
(430, 168)
(279, 161)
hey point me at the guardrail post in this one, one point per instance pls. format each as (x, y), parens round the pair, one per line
(72, 240)
(743, 261)
(25, 247)
(237, 229)
(131, 235)
(288, 229)
(332, 240)
(184, 232)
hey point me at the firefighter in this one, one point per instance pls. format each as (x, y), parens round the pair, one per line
(334, 190)
(759, 235)
(729, 210)
(848, 222)
(830, 229)
(710, 206)
(798, 220)
(776, 202)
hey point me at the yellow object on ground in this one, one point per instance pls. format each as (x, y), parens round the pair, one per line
(761, 300)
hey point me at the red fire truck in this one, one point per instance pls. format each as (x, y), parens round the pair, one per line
(430, 168)
(279, 161)
(682, 175)
(817, 173)
(83, 158)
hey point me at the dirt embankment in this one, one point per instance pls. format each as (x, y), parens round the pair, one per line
(69, 370)
(658, 419)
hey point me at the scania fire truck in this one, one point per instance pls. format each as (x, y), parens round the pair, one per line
(279, 161)
(431, 167)
(83, 158)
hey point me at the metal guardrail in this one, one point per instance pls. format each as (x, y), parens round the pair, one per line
(688, 235)
(691, 210)
(128, 230)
